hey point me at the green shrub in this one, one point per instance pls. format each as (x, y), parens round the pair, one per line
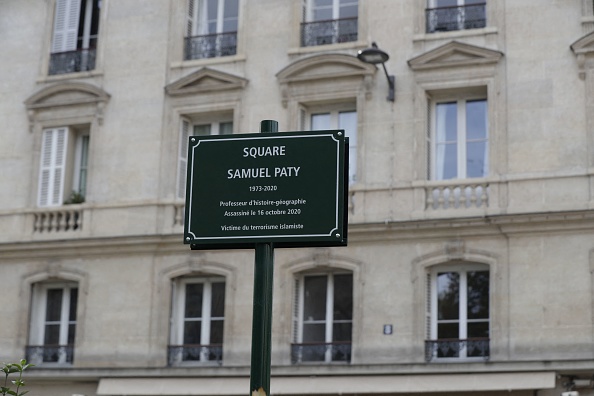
(12, 368)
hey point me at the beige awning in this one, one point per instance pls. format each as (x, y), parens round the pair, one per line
(330, 385)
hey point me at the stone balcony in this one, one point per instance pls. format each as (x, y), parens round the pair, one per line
(404, 203)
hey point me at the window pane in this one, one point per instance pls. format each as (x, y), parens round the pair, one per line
(216, 331)
(52, 334)
(53, 305)
(320, 121)
(73, 304)
(192, 332)
(230, 14)
(314, 333)
(323, 3)
(446, 3)
(71, 334)
(323, 14)
(448, 331)
(218, 300)
(343, 297)
(202, 130)
(476, 154)
(342, 332)
(348, 9)
(193, 308)
(226, 128)
(314, 301)
(231, 9)
(478, 330)
(447, 122)
(478, 295)
(448, 292)
(446, 161)
(476, 119)
(347, 120)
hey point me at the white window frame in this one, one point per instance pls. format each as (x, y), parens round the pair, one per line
(187, 128)
(38, 316)
(309, 7)
(198, 22)
(461, 16)
(463, 320)
(66, 25)
(329, 321)
(63, 162)
(334, 111)
(460, 136)
(178, 314)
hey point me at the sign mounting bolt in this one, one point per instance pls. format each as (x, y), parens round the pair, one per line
(337, 235)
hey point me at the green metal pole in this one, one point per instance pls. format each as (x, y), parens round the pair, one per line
(262, 313)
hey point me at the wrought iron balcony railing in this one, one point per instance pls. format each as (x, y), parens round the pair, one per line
(40, 354)
(72, 61)
(329, 32)
(454, 348)
(178, 354)
(321, 352)
(445, 19)
(210, 46)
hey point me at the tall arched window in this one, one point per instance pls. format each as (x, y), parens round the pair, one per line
(197, 320)
(323, 317)
(458, 312)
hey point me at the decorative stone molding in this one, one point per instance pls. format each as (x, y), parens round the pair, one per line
(344, 71)
(454, 54)
(584, 51)
(205, 80)
(67, 94)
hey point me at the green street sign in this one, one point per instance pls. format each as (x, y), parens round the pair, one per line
(287, 188)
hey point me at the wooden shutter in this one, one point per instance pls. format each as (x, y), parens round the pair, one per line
(53, 163)
(190, 18)
(66, 25)
(184, 135)
(428, 298)
(296, 311)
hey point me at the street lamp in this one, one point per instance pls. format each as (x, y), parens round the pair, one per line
(374, 56)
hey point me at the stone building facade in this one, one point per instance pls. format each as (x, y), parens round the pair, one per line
(471, 230)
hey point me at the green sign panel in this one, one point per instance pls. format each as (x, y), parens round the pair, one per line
(287, 188)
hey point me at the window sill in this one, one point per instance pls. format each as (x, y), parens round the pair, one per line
(454, 34)
(69, 76)
(327, 48)
(208, 61)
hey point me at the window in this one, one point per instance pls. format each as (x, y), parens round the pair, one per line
(198, 317)
(211, 28)
(74, 40)
(323, 318)
(329, 22)
(53, 323)
(458, 312)
(340, 119)
(448, 15)
(63, 166)
(201, 127)
(459, 141)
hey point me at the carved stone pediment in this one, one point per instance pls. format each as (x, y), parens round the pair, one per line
(454, 54)
(584, 49)
(205, 80)
(326, 68)
(64, 95)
